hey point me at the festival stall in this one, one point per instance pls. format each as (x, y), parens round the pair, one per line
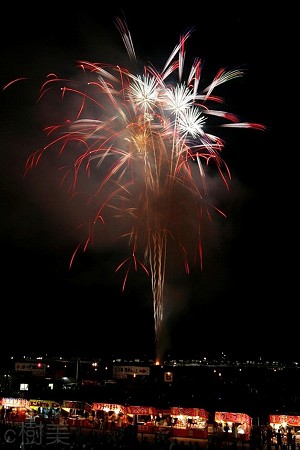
(240, 422)
(14, 409)
(175, 422)
(281, 421)
(189, 422)
(285, 424)
(143, 416)
(109, 416)
(45, 411)
(76, 413)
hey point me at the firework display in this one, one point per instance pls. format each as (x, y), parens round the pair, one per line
(145, 136)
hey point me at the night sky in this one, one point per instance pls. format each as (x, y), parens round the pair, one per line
(241, 302)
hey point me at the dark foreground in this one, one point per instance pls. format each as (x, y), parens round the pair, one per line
(26, 436)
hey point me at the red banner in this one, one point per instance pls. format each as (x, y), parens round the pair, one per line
(15, 402)
(144, 410)
(232, 417)
(108, 407)
(72, 404)
(293, 421)
(192, 412)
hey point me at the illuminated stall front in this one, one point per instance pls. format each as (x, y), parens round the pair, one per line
(143, 416)
(175, 421)
(189, 422)
(109, 416)
(45, 410)
(281, 421)
(14, 409)
(284, 423)
(76, 413)
(241, 421)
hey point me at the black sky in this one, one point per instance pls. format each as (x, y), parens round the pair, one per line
(232, 305)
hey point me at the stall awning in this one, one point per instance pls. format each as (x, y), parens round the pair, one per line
(108, 407)
(43, 404)
(192, 412)
(141, 410)
(15, 402)
(292, 421)
(72, 404)
(233, 417)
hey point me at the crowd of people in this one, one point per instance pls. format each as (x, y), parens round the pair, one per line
(30, 435)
